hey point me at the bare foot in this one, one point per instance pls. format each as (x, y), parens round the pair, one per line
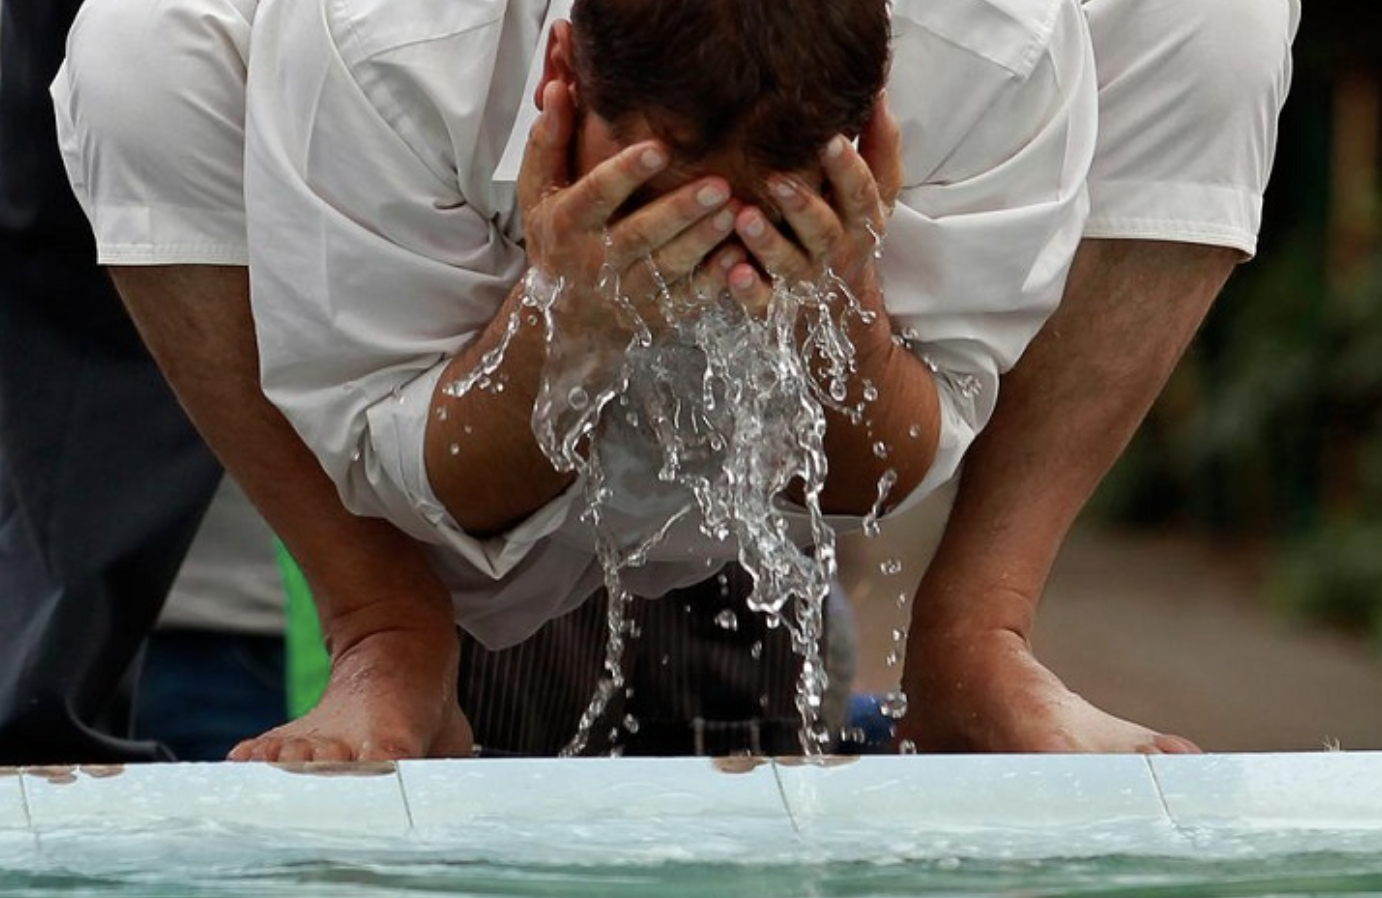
(391, 696)
(990, 694)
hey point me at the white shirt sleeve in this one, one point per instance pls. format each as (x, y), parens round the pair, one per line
(997, 104)
(372, 264)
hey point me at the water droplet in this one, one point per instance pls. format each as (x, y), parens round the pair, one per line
(630, 723)
(454, 449)
(578, 398)
(756, 650)
(893, 705)
(891, 566)
(906, 747)
(727, 620)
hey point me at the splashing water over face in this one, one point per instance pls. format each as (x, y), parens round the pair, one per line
(716, 414)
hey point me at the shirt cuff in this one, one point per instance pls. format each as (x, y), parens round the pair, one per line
(393, 463)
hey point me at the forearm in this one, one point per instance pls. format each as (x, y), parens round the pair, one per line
(1065, 413)
(898, 431)
(365, 575)
(483, 460)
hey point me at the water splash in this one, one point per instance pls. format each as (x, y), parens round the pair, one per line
(727, 412)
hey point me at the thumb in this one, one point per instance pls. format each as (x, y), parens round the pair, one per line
(546, 158)
(881, 147)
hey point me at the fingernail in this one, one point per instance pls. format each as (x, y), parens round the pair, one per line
(742, 280)
(724, 220)
(755, 227)
(653, 159)
(729, 260)
(783, 188)
(711, 195)
(835, 147)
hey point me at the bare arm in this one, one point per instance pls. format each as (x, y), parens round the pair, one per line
(904, 413)
(368, 579)
(482, 458)
(1065, 413)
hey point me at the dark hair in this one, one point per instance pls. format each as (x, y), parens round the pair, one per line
(773, 79)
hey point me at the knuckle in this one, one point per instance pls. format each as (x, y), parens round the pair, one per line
(634, 236)
(832, 233)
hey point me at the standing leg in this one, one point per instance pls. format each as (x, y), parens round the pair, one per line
(102, 484)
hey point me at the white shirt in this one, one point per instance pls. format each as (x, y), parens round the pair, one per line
(384, 236)
(230, 581)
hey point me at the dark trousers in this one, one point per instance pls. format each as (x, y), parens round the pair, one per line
(704, 676)
(201, 692)
(103, 482)
(102, 479)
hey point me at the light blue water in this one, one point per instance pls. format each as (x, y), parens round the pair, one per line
(1319, 875)
(215, 861)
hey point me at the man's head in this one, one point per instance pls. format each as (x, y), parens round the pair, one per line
(741, 87)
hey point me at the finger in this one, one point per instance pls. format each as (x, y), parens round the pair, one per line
(546, 159)
(592, 201)
(749, 287)
(681, 255)
(297, 750)
(816, 225)
(717, 268)
(855, 191)
(881, 148)
(778, 255)
(710, 279)
(696, 208)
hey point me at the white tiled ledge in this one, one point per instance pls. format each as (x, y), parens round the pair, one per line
(648, 810)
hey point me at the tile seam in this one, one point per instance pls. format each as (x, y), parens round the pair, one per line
(782, 795)
(28, 814)
(407, 804)
(1166, 811)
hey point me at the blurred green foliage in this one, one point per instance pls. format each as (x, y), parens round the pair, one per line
(1270, 430)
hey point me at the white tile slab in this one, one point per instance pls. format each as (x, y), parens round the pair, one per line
(938, 810)
(1335, 790)
(13, 817)
(980, 806)
(597, 809)
(310, 797)
(186, 815)
(17, 842)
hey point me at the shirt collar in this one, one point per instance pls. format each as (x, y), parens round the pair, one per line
(509, 163)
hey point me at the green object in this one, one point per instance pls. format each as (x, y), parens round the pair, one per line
(308, 664)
